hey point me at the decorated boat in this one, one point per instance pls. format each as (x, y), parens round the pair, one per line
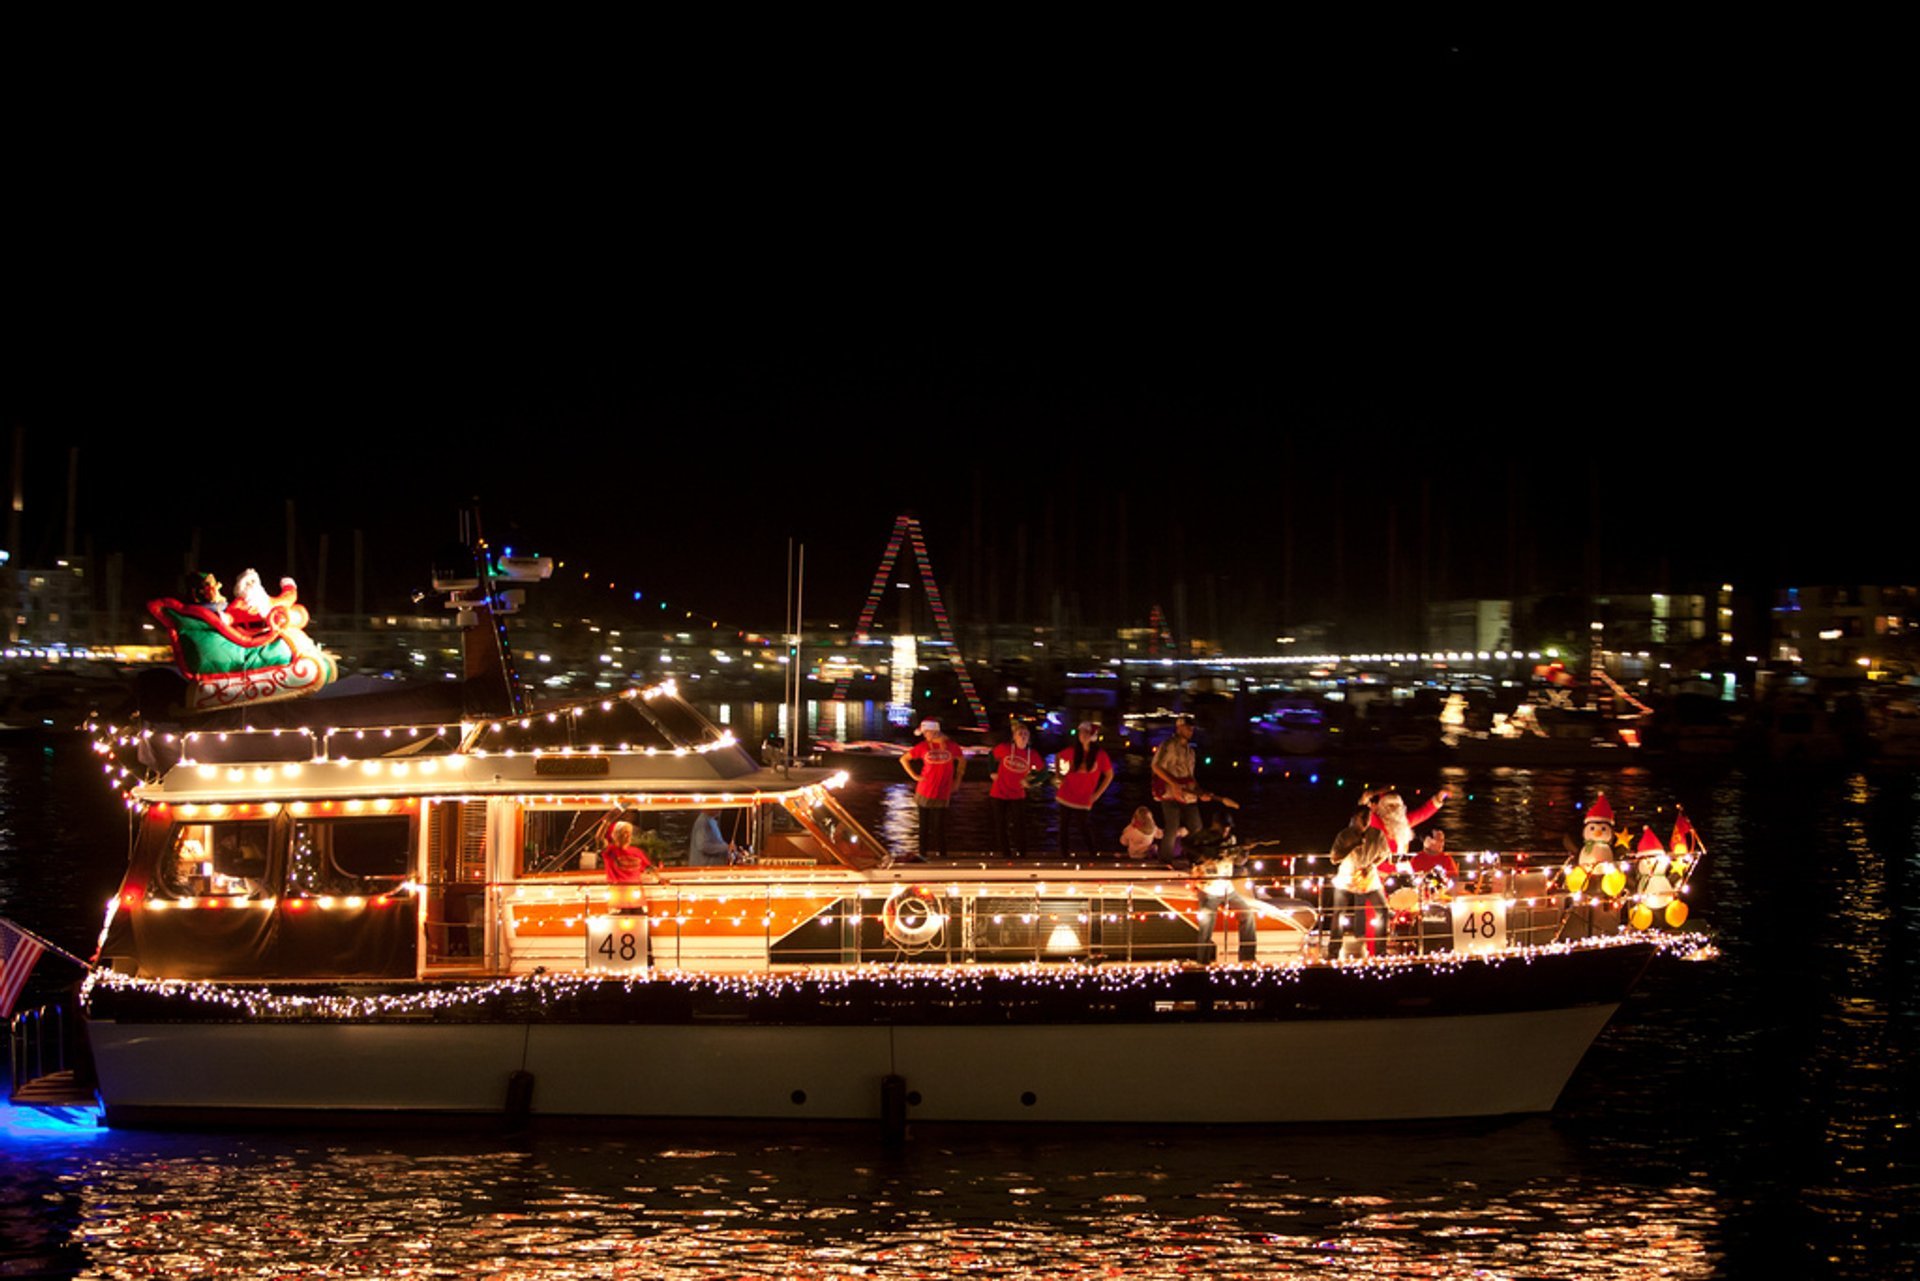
(332, 914)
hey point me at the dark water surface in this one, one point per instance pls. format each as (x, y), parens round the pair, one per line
(1751, 1116)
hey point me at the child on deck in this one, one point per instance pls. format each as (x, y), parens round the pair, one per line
(1140, 838)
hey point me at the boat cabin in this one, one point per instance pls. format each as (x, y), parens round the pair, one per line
(471, 849)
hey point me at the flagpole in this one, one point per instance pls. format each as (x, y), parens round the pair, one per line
(45, 946)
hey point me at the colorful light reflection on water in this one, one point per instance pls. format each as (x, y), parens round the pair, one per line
(1504, 1201)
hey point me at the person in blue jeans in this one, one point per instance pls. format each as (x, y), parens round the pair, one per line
(1214, 862)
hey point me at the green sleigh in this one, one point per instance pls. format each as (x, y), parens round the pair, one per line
(228, 666)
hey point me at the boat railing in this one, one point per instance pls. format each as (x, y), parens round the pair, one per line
(747, 921)
(36, 1044)
(750, 918)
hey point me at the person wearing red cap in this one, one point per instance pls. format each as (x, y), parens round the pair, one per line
(1391, 819)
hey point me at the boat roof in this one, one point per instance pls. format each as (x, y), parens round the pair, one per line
(638, 741)
(706, 779)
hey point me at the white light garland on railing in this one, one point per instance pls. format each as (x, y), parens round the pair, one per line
(812, 793)
(1108, 979)
(1302, 892)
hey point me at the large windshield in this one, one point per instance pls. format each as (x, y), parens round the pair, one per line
(835, 831)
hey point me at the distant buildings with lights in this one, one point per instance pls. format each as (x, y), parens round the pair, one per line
(1842, 632)
(1865, 632)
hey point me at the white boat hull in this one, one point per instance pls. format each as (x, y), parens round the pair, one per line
(1274, 1072)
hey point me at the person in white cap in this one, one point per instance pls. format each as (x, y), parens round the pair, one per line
(1085, 774)
(941, 761)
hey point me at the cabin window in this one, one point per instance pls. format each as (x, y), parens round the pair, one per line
(349, 856)
(553, 841)
(713, 838)
(216, 860)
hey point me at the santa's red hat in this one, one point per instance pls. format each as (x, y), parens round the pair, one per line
(1650, 844)
(1600, 811)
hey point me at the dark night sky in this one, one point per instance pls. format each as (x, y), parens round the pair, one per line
(1148, 305)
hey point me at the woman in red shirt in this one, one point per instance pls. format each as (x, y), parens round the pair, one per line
(941, 762)
(1085, 774)
(1013, 770)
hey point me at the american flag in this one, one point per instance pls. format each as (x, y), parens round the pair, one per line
(19, 952)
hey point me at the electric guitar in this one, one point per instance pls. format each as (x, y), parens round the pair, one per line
(1161, 791)
(1223, 866)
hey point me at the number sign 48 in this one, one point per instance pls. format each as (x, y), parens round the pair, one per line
(616, 942)
(1479, 923)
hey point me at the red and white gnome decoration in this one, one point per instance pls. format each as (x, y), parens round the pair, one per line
(1597, 835)
(1594, 858)
(1656, 889)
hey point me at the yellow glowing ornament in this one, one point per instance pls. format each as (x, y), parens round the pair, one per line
(1641, 917)
(1576, 879)
(1613, 882)
(1676, 914)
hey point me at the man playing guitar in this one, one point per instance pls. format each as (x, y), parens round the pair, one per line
(1175, 789)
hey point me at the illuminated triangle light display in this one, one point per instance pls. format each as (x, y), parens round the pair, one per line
(907, 529)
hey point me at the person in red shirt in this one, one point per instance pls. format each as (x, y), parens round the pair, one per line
(941, 761)
(1085, 774)
(1013, 772)
(626, 863)
(1434, 859)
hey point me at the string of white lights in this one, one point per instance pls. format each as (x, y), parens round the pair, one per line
(837, 982)
(462, 740)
